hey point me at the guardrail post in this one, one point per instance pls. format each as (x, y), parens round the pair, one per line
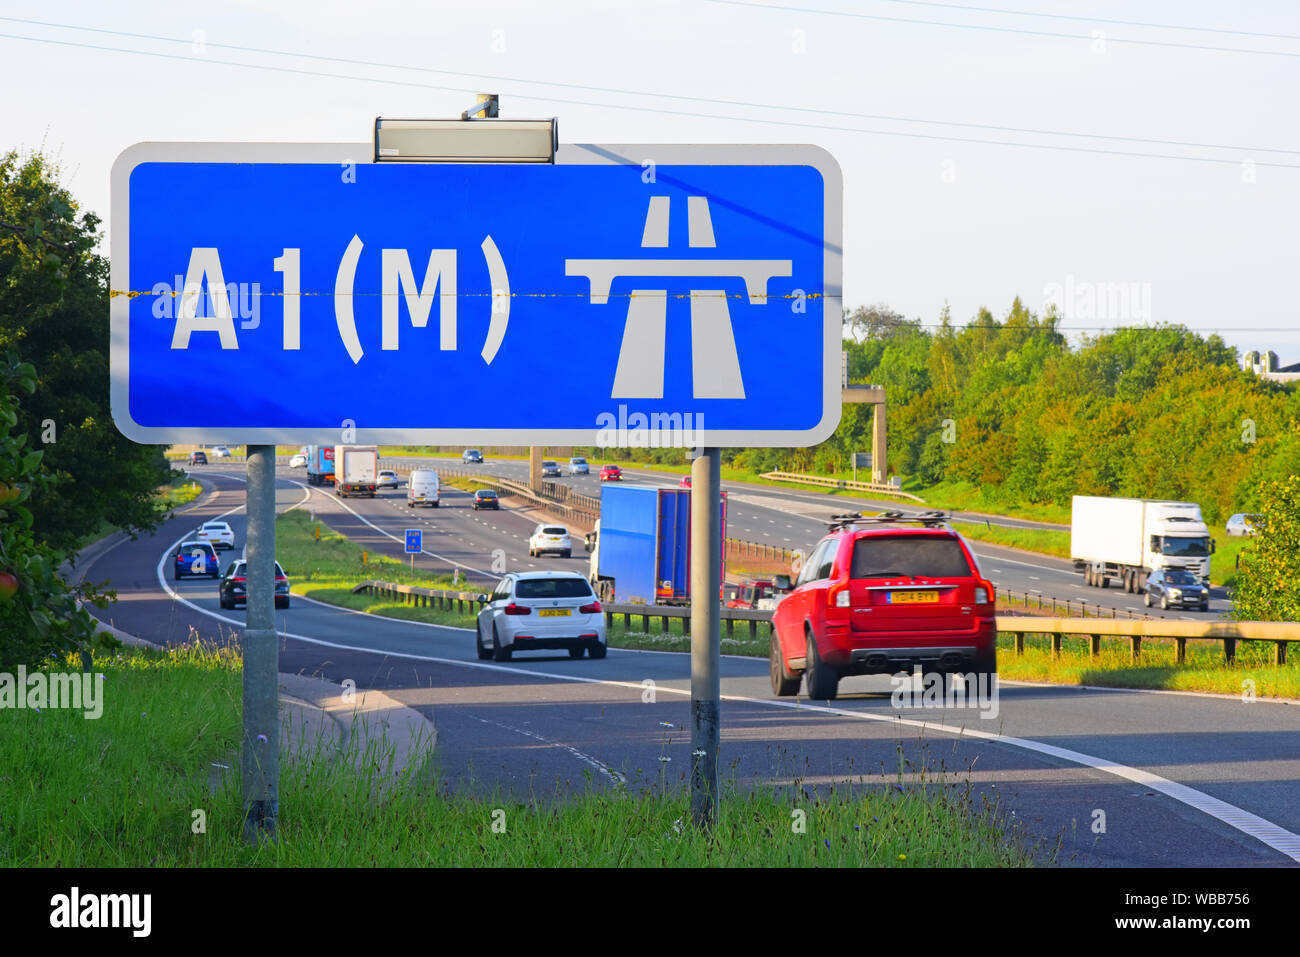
(1229, 650)
(1020, 643)
(627, 621)
(1279, 653)
(1056, 644)
(731, 627)
(1180, 655)
(663, 624)
(1094, 646)
(1135, 643)
(609, 619)
(753, 628)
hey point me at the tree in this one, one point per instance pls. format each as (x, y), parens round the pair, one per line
(1268, 582)
(877, 322)
(40, 614)
(54, 315)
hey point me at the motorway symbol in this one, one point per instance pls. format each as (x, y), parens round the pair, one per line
(413, 541)
(626, 295)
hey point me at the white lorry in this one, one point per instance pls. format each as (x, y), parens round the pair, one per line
(356, 470)
(1129, 538)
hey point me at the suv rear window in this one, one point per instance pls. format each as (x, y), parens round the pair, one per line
(552, 588)
(555, 530)
(918, 556)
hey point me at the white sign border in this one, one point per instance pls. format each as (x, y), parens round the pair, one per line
(568, 154)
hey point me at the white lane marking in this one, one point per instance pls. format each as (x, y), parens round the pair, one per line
(402, 541)
(585, 758)
(1274, 836)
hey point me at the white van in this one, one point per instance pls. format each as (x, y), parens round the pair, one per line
(422, 488)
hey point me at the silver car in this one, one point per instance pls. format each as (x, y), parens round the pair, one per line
(538, 611)
(1242, 524)
(387, 478)
(579, 467)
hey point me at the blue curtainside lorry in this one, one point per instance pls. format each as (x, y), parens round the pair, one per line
(640, 548)
(320, 464)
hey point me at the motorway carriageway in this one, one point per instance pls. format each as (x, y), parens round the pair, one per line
(788, 519)
(1185, 780)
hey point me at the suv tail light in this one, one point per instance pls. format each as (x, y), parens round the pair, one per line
(592, 609)
(981, 595)
(513, 609)
(837, 596)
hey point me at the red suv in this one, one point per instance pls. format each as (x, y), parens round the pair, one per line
(881, 595)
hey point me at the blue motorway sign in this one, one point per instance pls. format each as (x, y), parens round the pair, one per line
(625, 295)
(413, 539)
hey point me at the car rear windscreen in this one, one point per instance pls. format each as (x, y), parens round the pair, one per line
(918, 556)
(552, 588)
(554, 530)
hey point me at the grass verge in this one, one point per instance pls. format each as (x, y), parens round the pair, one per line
(123, 791)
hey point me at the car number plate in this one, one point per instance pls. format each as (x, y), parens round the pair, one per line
(912, 597)
(553, 613)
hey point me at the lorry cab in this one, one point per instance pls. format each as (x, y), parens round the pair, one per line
(422, 488)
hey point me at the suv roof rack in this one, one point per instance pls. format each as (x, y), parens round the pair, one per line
(931, 519)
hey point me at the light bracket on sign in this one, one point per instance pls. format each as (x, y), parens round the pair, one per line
(468, 140)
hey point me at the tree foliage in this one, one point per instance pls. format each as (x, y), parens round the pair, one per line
(54, 315)
(1268, 581)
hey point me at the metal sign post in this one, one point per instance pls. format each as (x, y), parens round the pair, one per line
(414, 545)
(260, 762)
(706, 638)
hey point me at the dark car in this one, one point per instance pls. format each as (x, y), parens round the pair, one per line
(195, 560)
(879, 596)
(471, 457)
(233, 592)
(198, 458)
(550, 469)
(486, 498)
(1177, 587)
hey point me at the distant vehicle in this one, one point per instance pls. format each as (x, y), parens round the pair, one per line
(195, 559)
(641, 545)
(221, 452)
(471, 457)
(534, 611)
(550, 469)
(486, 498)
(232, 591)
(685, 482)
(422, 488)
(298, 461)
(1176, 586)
(320, 464)
(1242, 524)
(1129, 538)
(550, 538)
(387, 479)
(610, 473)
(579, 467)
(879, 596)
(198, 458)
(219, 534)
(758, 594)
(356, 470)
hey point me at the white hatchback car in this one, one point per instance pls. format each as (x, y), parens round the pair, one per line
(534, 611)
(219, 534)
(550, 538)
(221, 452)
(297, 461)
(387, 478)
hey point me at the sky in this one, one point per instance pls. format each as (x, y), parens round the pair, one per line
(1132, 173)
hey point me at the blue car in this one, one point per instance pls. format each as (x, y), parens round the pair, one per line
(195, 560)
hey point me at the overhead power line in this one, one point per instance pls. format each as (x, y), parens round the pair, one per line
(495, 78)
(1056, 147)
(1063, 16)
(996, 29)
